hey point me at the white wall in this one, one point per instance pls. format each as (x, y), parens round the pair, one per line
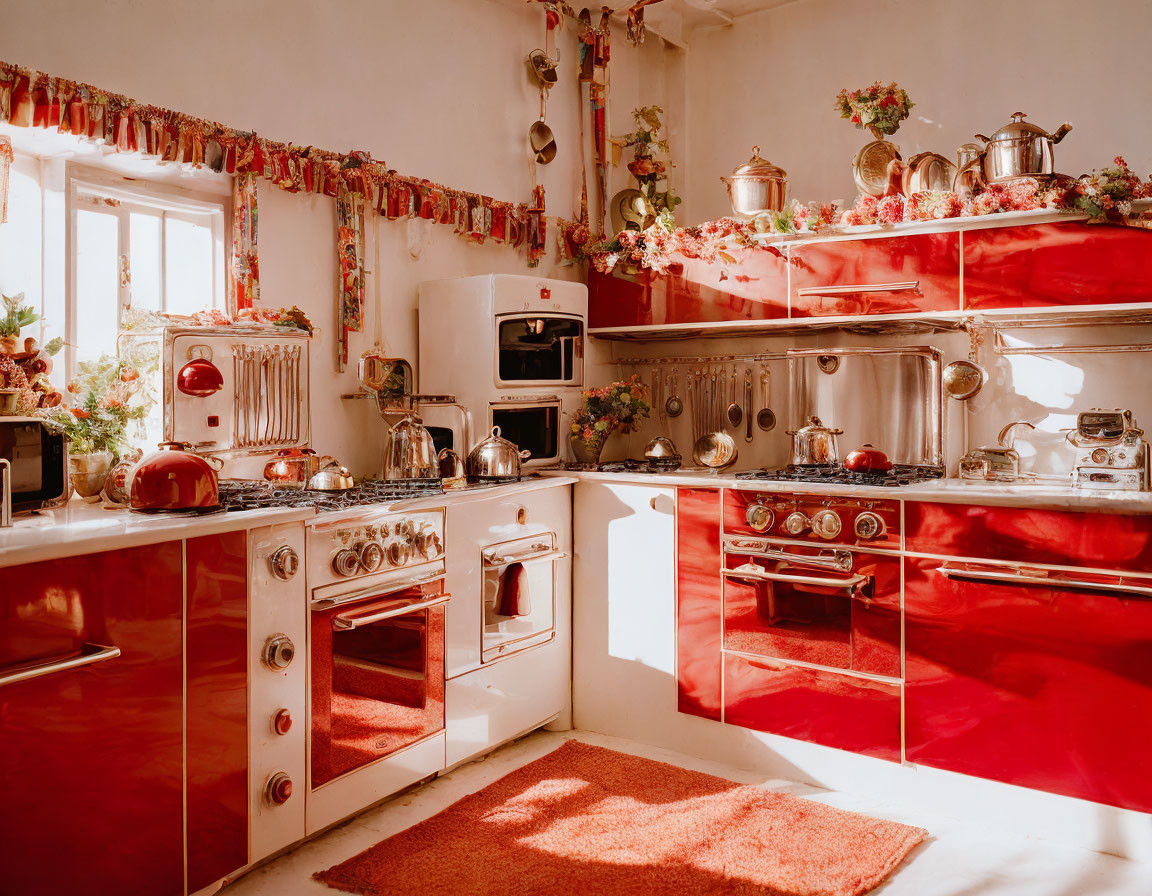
(435, 88)
(771, 80)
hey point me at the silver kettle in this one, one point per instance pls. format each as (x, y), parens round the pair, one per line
(494, 458)
(410, 452)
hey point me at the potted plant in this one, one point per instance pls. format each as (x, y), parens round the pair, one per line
(16, 316)
(108, 399)
(879, 108)
(620, 406)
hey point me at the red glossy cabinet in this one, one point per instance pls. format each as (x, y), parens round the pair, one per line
(884, 275)
(699, 606)
(91, 757)
(1037, 684)
(1056, 265)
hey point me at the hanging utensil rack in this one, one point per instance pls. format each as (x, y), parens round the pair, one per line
(267, 396)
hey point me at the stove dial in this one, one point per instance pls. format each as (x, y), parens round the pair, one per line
(278, 652)
(399, 552)
(797, 523)
(827, 524)
(404, 528)
(1100, 456)
(371, 555)
(282, 722)
(869, 526)
(759, 517)
(428, 543)
(278, 789)
(345, 562)
(284, 563)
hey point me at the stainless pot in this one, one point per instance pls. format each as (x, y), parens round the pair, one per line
(331, 478)
(756, 186)
(927, 171)
(494, 458)
(815, 443)
(410, 452)
(1018, 149)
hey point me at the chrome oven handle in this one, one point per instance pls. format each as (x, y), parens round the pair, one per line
(325, 603)
(493, 560)
(99, 654)
(1057, 580)
(347, 623)
(851, 288)
(839, 560)
(849, 584)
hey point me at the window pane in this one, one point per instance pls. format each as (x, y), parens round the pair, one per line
(145, 243)
(187, 266)
(97, 287)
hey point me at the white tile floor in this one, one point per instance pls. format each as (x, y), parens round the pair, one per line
(957, 860)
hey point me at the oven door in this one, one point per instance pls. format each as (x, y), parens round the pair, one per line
(828, 607)
(539, 350)
(518, 589)
(377, 676)
(532, 424)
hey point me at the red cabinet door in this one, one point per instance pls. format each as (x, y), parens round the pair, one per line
(699, 604)
(1056, 265)
(1040, 685)
(91, 757)
(887, 275)
(857, 714)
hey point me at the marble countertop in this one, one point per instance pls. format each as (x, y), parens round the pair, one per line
(79, 528)
(1046, 495)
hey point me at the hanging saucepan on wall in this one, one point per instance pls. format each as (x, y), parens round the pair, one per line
(199, 377)
(543, 142)
(631, 211)
(963, 379)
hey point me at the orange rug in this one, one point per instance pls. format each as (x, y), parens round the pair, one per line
(588, 820)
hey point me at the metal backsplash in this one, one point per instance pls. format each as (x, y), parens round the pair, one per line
(890, 398)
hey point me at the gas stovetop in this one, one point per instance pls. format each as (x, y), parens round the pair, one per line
(900, 474)
(252, 494)
(655, 465)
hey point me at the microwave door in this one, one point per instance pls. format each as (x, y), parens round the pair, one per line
(534, 350)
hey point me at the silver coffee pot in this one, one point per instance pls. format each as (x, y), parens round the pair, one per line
(410, 452)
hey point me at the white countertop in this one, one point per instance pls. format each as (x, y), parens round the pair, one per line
(79, 528)
(948, 491)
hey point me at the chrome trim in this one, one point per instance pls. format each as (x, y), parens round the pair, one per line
(834, 559)
(378, 590)
(849, 584)
(539, 552)
(347, 623)
(1019, 576)
(851, 288)
(100, 654)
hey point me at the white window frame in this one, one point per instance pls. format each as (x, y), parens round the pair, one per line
(93, 190)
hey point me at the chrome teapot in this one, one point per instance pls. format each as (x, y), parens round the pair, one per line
(1018, 149)
(494, 458)
(410, 452)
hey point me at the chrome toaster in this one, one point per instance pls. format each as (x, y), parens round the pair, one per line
(1111, 452)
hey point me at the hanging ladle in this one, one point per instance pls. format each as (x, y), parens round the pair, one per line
(675, 404)
(735, 412)
(765, 417)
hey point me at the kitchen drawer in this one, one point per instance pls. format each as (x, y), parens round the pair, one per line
(1055, 537)
(887, 275)
(1056, 265)
(699, 606)
(857, 714)
(503, 699)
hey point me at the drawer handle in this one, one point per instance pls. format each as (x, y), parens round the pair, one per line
(766, 666)
(492, 560)
(349, 622)
(849, 289)
(1009, 576)
(90, 653)
(849, 584)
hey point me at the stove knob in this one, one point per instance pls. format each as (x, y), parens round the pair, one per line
(345, 562)
(759, 517)
(278, 652)
(371, 555)
(428, 543)
(282, 722)
(278, 789)
(797, 523)
(1100, 456)
(284, 563)
(399, 552)
(869, 526)
(404, 528)
(827, 524)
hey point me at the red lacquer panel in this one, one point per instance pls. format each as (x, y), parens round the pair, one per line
(1057, 537)
(699, 606)
(1060, 264)
(91, 769)
(217, 707)
(1033, 685)
(895, 275)
(693, 291)
(839, 711)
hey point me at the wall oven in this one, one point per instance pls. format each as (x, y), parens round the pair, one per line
(825, 606)
(532, 423)
(518, 592)
(539, 349)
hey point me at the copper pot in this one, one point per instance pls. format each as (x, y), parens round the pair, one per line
(175, 478)
(756, 186)
(293, 466)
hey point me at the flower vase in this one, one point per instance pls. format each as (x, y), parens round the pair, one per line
(87, 473)
(588, 451)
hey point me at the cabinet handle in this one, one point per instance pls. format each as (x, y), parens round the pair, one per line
(347, 623)
(849, 289)
(849, 584)
(1009, 576)
(95, 653)
(495, 560)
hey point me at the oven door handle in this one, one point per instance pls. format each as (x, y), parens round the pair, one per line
(325, 603)
(493, 561)
(1009, 576)
(849, 584)
(839, 560)
(349, 622)
(97, 653)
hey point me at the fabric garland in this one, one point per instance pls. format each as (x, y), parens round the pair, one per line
(245, 280)
(5, 169)
(350, 258)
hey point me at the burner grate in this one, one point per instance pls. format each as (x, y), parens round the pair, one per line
(244, 494)
(900, 474)
(668, 464)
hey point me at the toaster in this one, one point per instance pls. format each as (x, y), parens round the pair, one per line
(37, 463)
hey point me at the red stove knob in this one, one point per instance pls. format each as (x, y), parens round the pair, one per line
(282, 722)
(278, 790)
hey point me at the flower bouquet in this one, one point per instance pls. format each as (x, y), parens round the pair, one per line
(620, 406)
(878, 108)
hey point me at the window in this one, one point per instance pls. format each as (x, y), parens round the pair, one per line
(138, 245)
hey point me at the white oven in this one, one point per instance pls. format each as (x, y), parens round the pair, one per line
(518, 595)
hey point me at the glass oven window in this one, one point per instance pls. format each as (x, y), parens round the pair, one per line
(518, 587)
(535, 428)
(539, 349)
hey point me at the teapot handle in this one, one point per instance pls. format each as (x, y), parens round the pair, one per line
(971, 163)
